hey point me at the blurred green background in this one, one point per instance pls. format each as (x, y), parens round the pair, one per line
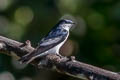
(95, 39)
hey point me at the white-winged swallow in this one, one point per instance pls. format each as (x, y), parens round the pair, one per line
(52, 42)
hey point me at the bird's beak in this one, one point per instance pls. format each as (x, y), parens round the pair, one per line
(73, 23)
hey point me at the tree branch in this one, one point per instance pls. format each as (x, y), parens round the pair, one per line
(62, 64)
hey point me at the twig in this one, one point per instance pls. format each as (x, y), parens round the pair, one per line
(62, 64)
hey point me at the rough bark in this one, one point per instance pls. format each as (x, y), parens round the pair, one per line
(65, 65)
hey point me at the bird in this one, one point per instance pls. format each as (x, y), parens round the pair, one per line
(52, 42)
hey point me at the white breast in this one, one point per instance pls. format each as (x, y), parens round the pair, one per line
(55, 50)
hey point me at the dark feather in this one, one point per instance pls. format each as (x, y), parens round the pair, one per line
(55, 37)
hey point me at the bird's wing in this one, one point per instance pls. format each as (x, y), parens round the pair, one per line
(45, 44)
(48, 42)
(51, 40)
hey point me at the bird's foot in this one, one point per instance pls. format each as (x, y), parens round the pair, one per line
(59, 55)
(71, 58)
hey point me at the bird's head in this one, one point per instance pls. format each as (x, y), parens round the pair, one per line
(66, 24)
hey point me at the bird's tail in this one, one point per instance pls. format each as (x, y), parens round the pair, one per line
(30, 57)
(26, 59)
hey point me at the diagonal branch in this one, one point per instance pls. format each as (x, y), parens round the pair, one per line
(62, 64)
